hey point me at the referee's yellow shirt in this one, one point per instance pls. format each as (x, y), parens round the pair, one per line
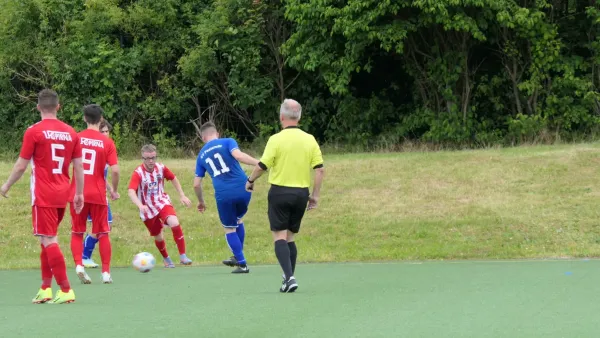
(290, 155)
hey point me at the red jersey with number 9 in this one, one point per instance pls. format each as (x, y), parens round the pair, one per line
(97, 151)
(50, 145)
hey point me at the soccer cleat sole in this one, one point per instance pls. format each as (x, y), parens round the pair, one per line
(240, 271)
(82, 278)
(42, 301)
(186, 263)
(65, 302)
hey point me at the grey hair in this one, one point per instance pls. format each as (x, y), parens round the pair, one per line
(291, 110)
(148, 148)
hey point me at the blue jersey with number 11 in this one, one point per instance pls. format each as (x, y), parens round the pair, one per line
(216, 159)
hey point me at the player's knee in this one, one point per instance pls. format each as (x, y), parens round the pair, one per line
(159, 237)
(45, 241)
(228, 230)
(172, 221)
(290, 236)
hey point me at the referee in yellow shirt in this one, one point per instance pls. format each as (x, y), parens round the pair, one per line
(289, 156)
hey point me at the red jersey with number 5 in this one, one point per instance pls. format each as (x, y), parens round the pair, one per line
(50, 145)
(97, 151)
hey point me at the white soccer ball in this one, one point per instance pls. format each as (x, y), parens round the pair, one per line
(143, 262)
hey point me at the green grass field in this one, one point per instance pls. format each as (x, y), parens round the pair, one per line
(454, 207)
(431, 299)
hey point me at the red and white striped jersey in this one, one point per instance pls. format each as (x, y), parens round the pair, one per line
(150, 188)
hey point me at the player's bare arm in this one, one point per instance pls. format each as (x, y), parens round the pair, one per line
(186, 201)
(199, 194)
(313, 199)
(134, 198)
(115, 175)
(78, 173)
(16, 174)
(256, 173)
(244, 158)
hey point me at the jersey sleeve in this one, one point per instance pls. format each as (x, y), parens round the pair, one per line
(77, 148)
(168, 174)
(317, 157)
(134, 182)
(232, 145)
(111, 155)
(268, 157)
(200, 170)
(28, 145)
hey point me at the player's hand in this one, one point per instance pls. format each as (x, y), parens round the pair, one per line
(4, 190)
(144, 209)
(114, 195)
(249, 186)
(78, 203)
(201, 206)
(186, 201)
(313, 201)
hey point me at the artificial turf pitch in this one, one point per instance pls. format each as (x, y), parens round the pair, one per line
(556, 298)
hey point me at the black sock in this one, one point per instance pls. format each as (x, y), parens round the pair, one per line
(293, 255)
(282, 251)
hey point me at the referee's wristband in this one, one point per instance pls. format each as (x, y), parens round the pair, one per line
(251, 182)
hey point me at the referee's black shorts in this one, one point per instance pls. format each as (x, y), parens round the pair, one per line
(286, 207)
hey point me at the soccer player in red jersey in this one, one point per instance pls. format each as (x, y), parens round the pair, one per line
(50, 145)
(147, 192)
(98, 151)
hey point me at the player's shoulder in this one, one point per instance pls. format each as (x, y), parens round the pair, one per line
(63, 126)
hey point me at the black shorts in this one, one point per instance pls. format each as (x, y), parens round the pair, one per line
(286, 207)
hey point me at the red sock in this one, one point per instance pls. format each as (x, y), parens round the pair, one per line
(162, 247)
(179, 240)
(77, 248)
(105, 251)
(56, 260)
(46, 271)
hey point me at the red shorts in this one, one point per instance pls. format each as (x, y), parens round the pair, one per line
(155, 224)
(46, 220)
(99, 215)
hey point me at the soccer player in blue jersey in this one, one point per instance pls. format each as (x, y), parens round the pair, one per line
(220, 157)
(90, 241)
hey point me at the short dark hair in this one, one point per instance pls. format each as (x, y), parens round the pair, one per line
(93, 113)
(47, 99)
(207, 126)
(105, 124)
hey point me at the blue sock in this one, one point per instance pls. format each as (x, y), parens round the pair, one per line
(89, 243)
(236, 247)
(241, 232)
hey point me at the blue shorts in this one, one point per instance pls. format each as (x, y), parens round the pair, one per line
(232, 207)
(110, 218)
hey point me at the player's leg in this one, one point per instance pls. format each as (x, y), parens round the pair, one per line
(101, 230)
(46, 221)
(241, 229)
(297, 213)
(279, 208)
(89, 244)
(45, 292)
(170, 219)
(228, 216)
(154, 226)
(78, 228)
